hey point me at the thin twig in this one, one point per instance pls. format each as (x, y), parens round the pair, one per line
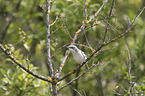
(64, 20)
(56, 19)
(98, 11)
(75, 90)
(22, 66)
(129, 71)
(85, 13)
(80, 30)
(108, 20)
(68, 32)
(84, 93)
(76, 77)
(100, 47)
(62, 63)
(128, 29)
(113, 27)
(59, 50)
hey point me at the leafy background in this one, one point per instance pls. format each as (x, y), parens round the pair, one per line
(26, 38)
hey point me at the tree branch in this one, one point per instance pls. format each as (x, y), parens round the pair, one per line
(108, 20)
(80, 30)
(52, 75)
(48, 38)
(77, 77)
(100, 47)
(22, 66)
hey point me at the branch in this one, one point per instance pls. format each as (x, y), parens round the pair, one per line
(22, 66)
(86, 22)
(100, 47)
(62, 64)
(85, 13)
(98, 11)
(81, 29)
(77, 77)
(79, 66)
(108, 21)
(128, 30)
(52, 75)
(48, 38)
(75, 90)
(129, 70)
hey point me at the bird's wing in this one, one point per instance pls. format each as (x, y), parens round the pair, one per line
(83, 54)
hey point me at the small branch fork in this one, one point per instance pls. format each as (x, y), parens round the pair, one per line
(78, 76)
(48, 39)
(80, 30)
(87, 21)
(108, 20)
(51, 68)
(52, 79)
(101, 46)
(22, 66)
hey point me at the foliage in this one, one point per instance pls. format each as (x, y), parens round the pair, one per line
(26, 39)
(17, 82)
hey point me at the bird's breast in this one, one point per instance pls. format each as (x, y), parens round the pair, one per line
(78, 57)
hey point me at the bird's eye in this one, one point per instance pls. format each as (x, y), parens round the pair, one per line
(71, 47)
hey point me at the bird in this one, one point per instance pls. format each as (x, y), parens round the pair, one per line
(79, 55)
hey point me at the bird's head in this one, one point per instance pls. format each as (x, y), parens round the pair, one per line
(73, 48)
(78, 55)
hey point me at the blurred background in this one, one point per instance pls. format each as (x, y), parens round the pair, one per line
(23, 30)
